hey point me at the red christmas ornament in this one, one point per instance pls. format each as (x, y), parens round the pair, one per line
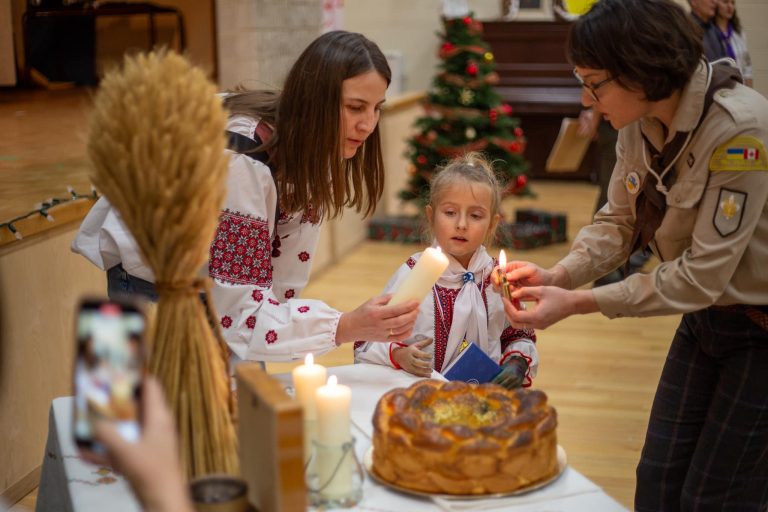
(506, 108)
(447, 46)
(467, 20)
(520, 181)
(472, 69)
(492, 115)
(421, 159)
(515, 147)
(518, 132)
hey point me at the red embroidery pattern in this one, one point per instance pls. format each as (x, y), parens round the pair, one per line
(257, 295)
(289, 293)
(446, 296)
(411, 262)
(271, 337)
(226, 322)
(240, 252)
(512, 334)
(273, 302)
(304, 256)
(250, 322)
(303, 309)
(310, 215)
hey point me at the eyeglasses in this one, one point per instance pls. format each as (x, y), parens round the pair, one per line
(592, 89)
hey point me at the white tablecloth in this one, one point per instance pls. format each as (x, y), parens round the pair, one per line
(68, 483)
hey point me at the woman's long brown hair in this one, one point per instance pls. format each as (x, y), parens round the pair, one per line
(306, 145)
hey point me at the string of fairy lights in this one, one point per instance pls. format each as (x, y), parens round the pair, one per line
(43, 207)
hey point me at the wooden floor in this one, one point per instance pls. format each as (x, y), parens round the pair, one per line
(600, 374)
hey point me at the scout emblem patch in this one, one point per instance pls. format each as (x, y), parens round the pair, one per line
(742, 153)
(632, 182)
(730, 210)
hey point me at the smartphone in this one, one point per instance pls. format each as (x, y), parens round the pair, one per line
(109, 367)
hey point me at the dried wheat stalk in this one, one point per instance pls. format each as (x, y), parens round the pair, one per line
(157, 145)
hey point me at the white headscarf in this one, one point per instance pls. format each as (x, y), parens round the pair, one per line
(470, 318)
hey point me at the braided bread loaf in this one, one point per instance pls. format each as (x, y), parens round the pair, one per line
(459, 438)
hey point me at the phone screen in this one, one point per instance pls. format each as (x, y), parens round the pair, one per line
(108, 369)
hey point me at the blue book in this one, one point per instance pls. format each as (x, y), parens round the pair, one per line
(472, 365)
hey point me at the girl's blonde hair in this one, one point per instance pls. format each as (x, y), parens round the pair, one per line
(469, 168)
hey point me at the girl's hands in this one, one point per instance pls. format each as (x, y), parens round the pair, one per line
(374, 320)
(413, 359)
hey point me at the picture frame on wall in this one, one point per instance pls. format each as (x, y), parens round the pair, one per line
(527, 10)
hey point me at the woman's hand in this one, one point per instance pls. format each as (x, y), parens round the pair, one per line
(374, 320)
(151, 465)
(525, 273)
(414, 360)
(552, 305)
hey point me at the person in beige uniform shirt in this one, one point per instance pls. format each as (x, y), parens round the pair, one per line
(700, 167)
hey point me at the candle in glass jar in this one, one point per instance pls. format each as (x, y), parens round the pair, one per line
(333, 431)
(422, 277)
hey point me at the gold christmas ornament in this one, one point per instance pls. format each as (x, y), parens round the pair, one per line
(470, 133)
(466, 96)
(156, 142)
(488, 56)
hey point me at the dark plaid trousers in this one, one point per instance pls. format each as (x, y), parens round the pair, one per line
(706, 447)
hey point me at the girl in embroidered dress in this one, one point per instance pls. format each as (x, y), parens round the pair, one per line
(462, 213)
(315, 150)
(733, 39)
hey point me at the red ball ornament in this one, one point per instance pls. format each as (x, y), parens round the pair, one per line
(492, 115)
(421, 159)
(515, 147)
(518, 132)
(472, 69)
(506, 108)
(520, 181)
(467, 20)
(447, 46)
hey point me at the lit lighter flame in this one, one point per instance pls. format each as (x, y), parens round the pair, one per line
(502, 261)
(309, 360)
(332, 381)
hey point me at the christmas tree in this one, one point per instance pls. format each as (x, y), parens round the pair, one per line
(464, 113)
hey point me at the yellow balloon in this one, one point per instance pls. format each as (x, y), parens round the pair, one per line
(578, 7)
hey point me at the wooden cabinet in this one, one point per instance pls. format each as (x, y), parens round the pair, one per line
(537, 81)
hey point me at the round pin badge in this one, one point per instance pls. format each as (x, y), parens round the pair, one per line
(632, 182)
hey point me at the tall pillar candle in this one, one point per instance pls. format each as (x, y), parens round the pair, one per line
(333, 430)
(422, 277)
(307, 378)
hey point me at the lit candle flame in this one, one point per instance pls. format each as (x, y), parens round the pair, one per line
(502, 261)
(332, 381)
(309, 360)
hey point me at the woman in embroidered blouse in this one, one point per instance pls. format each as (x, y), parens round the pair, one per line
(734, 40)
(462, 214)
(322, 140)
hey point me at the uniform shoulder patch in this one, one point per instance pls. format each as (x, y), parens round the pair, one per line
(742, 153)
(729, 211)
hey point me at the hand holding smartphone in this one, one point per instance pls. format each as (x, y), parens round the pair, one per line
(108, 369)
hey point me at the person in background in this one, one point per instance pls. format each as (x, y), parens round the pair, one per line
(463, 212)
(691, 182)
(703, 13)
(733, 38)
(304, 154)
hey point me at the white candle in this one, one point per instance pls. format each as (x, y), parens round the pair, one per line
(422, 277)
(333, 430)
(307, 378)
(503, 275)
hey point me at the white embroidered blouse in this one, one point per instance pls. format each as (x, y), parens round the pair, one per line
(257, 275)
